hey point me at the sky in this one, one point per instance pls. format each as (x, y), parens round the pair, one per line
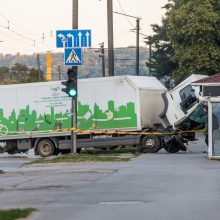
(29, 26)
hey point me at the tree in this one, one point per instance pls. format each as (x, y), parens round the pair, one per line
(188, 41)
(34, 77)
(20, 73)
(3, 72)
(161, 63)
(194, 32)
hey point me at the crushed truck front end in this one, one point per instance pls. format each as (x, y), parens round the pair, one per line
(181, 110)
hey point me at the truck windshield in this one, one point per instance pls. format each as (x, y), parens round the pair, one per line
(200, 115)
(188, 98)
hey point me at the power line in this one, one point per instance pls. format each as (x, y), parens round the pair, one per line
(44, 35)
(125, 13)
(4, 16)
(26, 30)
(16, 39)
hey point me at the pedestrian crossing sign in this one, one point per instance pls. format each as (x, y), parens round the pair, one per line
(73, 57)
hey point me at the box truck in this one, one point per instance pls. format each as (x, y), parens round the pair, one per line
(38, 115)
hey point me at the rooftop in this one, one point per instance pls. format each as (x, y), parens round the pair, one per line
(214, 79)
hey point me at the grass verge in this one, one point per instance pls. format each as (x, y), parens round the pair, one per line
(80, 158)
(12, 214)
(111, 151)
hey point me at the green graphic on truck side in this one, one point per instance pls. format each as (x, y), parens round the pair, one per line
(28, 120)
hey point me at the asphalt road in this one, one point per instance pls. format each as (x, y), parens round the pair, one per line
(152, 186)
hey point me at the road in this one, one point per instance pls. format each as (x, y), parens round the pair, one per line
(152, 186)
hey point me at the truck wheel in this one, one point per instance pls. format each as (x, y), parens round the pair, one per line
(172, 149)
(150, 144)
(45, 148)
(172, 146)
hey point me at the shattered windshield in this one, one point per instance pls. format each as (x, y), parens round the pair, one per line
(200, 115)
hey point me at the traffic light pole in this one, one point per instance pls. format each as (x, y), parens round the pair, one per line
(74, 68)
(74, 117)
(74, 124)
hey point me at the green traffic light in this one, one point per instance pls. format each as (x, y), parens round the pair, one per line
(72, 92)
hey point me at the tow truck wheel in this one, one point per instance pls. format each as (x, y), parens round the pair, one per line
(45, 148)
(150, 144)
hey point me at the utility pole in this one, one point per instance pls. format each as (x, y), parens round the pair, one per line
(38, 66)
(150, 58)
(103, 58)
(59, 72)
(102, 55)
(137, 40)
(74, 68)
(110, 38)
(101, 52)
(137, 46)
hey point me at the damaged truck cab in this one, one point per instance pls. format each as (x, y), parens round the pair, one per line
(182, 112)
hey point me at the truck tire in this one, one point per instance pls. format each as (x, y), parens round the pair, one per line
(172, 146)
(150, 144)
(172, 149)
(45, 148)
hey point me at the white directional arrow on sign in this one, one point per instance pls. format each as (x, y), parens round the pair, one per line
(80, 39)
(71, 36)
(61, 35)
(63, 39)
(87, 38)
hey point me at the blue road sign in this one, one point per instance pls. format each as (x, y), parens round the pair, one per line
(73, 38)
(73, 57)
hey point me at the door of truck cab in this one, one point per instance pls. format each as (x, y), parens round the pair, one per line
(214, 128)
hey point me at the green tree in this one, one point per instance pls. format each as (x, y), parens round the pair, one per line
(34, 77)
(161, 63)
(194, 32)
(20, 73)
(3, 72)
(188, 40)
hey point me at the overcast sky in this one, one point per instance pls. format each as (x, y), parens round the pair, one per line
(29, 20)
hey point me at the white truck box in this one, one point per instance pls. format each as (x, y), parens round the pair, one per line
(110, 103)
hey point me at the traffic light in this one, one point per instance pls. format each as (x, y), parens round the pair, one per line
(71, 88)
(70, 84)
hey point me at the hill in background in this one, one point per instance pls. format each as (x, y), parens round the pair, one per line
(92, 64)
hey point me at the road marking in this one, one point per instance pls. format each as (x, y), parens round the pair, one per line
(122, 203)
